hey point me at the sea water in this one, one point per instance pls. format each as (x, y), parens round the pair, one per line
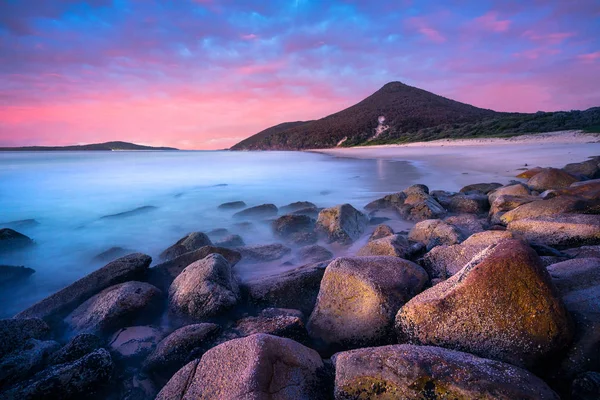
(68, 193)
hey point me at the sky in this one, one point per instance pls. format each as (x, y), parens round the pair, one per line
(205, 74)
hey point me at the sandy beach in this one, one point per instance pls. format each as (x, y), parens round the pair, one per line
(450, 164)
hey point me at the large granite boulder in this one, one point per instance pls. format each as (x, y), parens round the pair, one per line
(484, 188)
(467, 224)
(472, 203)
(204, 288)
(505, 203)
(263, 253)
(230, 241)
(393, 245)
(551, 178)
(422, 210)
(313, 254)
(343, 223)
(73, 380)
(501, 305)
(180, 347)
(133, 266)
(255, 367)
(273, 321)
(518, 190)
(11, 240)
(15, 332)
(77, 347)
(232, 205)
(26, 360)
(529, 173)
(561, 231)
(115, 306)
(589, 169)
(162, 275)
(297, 288)
(287, 225)
(435, 232)
(583, 251)
(442, 262)
(381, 231)
(296, 206)
(190, 242)
(553, 206)
(391, 201)
(262, 211)
(10, 274)
(359, 297)
(424, 372)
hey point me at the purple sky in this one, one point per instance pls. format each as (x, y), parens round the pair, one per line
(205, 74)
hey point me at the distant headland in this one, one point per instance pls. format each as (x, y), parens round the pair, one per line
(108, 146)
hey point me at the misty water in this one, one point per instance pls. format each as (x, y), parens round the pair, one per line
(68, 193)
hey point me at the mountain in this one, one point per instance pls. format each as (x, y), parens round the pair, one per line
(398, 113)
(108, 146)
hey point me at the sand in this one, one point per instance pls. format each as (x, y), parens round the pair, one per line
(450, 164)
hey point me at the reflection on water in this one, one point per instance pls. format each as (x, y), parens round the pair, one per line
(163, 196)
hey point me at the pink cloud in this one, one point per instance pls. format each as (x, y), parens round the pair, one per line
(589, 57)
(250, 36)
(548, 38)
(423, 27)
(534, 54)
(491, 22)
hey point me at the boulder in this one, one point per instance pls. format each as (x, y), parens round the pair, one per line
(381, 231)
(25, 361)
(518, 190)
(303, 238)
(180, 347)
(417, 188)
(527, 174)
(560, 231)
(586, 386)
(359, 297)
(134, 343)
(426, 209)
(113, 307)
(575, 274)
(230, 241)
(262, 211)
(10, 274)
(553, 206)
(263, 253)
(467, 224)
(343, 223)
(589, 169)
(255, 367)
(133, 266)
(313, 254)
(583, 251)
(391, 201)
(473, 203)
(442, 262)
(484, 188)
(312, 212)
(79, 346)
(551, 178)
(287, 225)
(73, 380)
(502, 305)
(11, 240)
(586, 189)
(232, 205)
(505, 203)
(282, 324)
(162, 275)
(204, 289)
(218, 233)
(297, 206)
(297, 288)
(190, 242)
(394, 245)
(111, 254)
(423, 372)
(435, 232)
(15, 332)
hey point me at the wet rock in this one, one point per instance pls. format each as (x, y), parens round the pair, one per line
(551, 178)
(279, 324)
(517, 190)
(312, 212)
(180, 347)
(583, 251)
(164, 274)
(553, 206)
(111, 254)
(424, 372)
(232, 205)
(287, 225)
(297, 288)
(137, 386)
(502, 305)
(394, 245)
(126, 268)
(204, 289)
(262, 211)
(391, 201)
(134, 342)
(79, 346)
(263, 253)
(25, 361)
(10, 274)
(359, 297)
(417, 188)
(381, 231)
(66, 381)
(11, 240)
(297, 206)
(303, 238)
(505, 203)
(586, 386)
(15, 332)
(434, 232)
(484, 188)
(313, 254)
(230, 241)
(426, 209)
(190, 242)
(474, 203)
(467, 224)
(589, 169)
(444, 261)
(527, 174)
(257, 366)
(560, 231)
(343, 223)
(113, 307)
(575, 274)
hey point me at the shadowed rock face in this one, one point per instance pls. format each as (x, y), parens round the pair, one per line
(561, 231)
(15, 332)
(484, 188)
(11, 274)
(255, 367)
(126, 268)
(191, 242)
(553, 206)
(232, 205)
(359, 297)
(502, 305)
(424, 372)
(434, 232)
(551, 178)
(393, 245)
(262, 211)
(289, 224)
(343, 223)
(313, 254)
(12, 240)
(263, 253)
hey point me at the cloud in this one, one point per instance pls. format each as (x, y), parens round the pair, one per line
(491, 22)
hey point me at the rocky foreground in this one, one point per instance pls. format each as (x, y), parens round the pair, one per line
(493, 294)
